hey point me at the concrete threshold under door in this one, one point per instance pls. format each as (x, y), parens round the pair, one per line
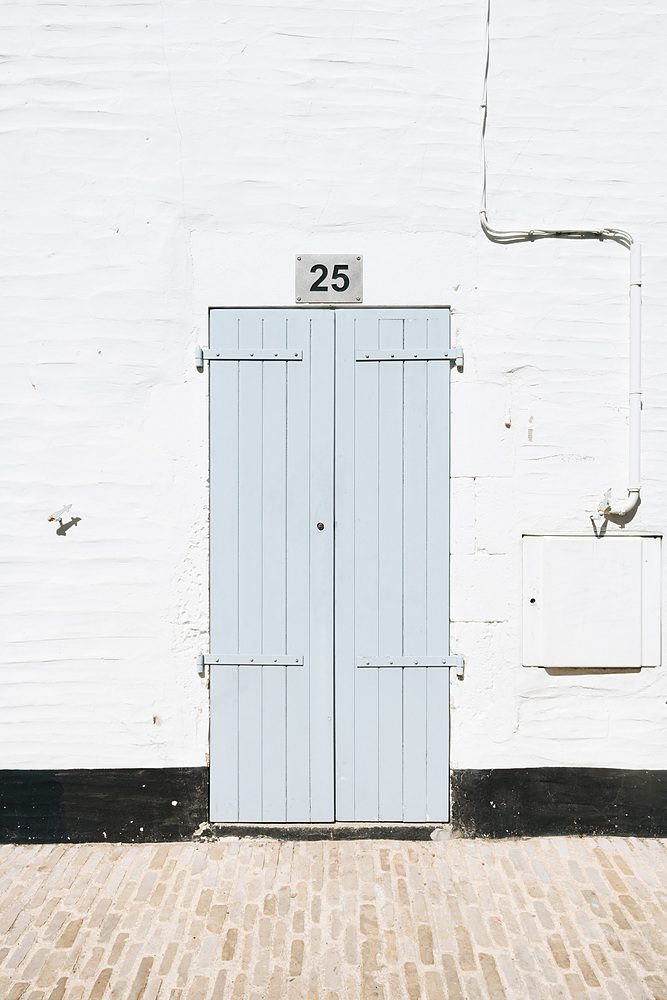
(327, 831)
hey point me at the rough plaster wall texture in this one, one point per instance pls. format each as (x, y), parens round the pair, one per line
(164, 157)
(570, 146)
(100, 407)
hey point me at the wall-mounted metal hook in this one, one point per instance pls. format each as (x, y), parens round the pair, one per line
(58, 515)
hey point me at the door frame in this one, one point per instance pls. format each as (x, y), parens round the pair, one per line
(358, 308)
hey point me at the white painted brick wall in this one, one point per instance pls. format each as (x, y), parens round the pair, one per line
(160, 158)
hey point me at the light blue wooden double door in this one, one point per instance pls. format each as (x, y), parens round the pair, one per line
(329, 434)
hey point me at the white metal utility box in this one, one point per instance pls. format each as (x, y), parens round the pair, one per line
(591, 601)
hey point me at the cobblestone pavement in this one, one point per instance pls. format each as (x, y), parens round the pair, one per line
(461, 920)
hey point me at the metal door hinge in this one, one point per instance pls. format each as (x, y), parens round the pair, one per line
(248, 660)
(454, 354)
(455, 662)
(203, 354)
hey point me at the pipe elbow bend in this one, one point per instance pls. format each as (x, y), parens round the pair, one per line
(622, 508)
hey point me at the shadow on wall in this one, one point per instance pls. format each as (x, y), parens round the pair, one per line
(62, 529)
(589, 671)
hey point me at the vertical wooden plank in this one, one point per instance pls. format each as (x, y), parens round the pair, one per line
(223, 571)
(297, 575)
(415, 437)
(274, 561)
(389, 569)
(437, 745)
(437, 608)
(250, 567)
(345, 579)
(224, 745)
(321, 566)
(366, 559)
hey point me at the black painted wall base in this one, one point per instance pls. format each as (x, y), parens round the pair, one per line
(132, 805)
(544, 801)
(128, 805)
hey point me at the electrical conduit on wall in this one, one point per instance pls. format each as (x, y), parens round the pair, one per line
(618, 508)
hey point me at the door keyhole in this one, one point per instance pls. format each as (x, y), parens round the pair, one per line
(320, 526)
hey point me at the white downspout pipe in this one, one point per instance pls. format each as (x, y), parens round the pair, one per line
(622, 508)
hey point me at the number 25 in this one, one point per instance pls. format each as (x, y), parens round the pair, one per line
(336, 275)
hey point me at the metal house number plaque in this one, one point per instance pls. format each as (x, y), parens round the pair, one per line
(329, 278)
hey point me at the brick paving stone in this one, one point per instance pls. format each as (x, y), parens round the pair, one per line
(553, 918)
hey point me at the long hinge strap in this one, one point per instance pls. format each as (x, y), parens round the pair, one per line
(455, 662)
(454, 354)
(248, 660)
(203, 354)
